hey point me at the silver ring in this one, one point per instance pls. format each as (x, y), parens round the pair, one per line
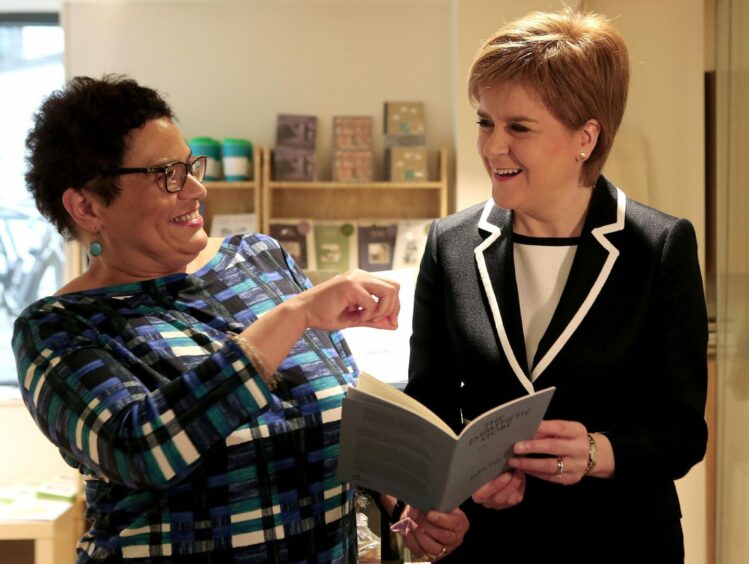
(560, 468)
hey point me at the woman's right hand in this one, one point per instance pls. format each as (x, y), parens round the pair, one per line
(434, 535)
(506, 490)
(353, 299)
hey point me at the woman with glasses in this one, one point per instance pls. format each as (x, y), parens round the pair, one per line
(195, 383)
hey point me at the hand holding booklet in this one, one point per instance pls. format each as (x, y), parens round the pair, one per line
(393, 444)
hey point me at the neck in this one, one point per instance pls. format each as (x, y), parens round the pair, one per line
(564, 217)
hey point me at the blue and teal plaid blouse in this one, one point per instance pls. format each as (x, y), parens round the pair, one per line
(187, 456)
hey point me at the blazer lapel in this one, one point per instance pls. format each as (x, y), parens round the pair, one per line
(494, 258)
(593, 262)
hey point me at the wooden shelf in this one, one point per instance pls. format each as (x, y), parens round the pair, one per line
(231, 197)
(351, 200)
(230, 185)
(330, 185)
(54, 541)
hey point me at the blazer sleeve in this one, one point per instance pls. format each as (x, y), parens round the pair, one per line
(433, 377)
(673, 437)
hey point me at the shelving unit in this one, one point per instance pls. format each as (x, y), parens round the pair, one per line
(352, 200)
(235, 197)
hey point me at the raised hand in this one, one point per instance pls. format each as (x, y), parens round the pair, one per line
(352, 299)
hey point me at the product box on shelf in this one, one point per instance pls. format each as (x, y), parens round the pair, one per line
(297, 238)
(410, 242)
(404, 118)
(353, 165)
(406, 164)
(296, 131)
(352, 132)
(376, 242)
(335, 245)
(292, 163)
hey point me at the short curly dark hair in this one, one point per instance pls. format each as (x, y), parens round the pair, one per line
(79, 131)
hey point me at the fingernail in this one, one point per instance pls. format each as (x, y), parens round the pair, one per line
(520, 448)
(514, 462)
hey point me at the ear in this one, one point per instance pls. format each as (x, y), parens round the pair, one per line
(83, 207)
(589, 135)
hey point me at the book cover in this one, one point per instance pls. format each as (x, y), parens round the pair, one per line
(376, 244)
(335, 245)
(411, 238)
(404, 118)
(292, 163)
(296, 131)
(225, 224)
(406, 164)
(393, 444)
(353, 166)
(294, 237)
(352, 132)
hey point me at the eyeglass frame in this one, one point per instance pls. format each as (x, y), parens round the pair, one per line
(163, 170)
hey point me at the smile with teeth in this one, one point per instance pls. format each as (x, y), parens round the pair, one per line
(506, 171)
(187, 217)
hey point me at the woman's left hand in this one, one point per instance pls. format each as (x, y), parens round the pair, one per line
(436, 534)
(565, 444)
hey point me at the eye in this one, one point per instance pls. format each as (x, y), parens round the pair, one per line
(170, 171)
(518, 128)
(484, 123)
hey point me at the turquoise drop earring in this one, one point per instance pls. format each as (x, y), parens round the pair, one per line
(95, 249)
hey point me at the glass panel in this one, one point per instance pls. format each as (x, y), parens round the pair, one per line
(31, 251)
(732, 230)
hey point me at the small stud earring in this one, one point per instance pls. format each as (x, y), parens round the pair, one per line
(581, 156)
(95, 249)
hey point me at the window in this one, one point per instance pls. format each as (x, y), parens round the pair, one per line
(31, 251)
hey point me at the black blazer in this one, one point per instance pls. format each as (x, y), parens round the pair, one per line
(626, 349)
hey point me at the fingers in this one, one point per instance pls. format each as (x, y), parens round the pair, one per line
(560, 449)
(506, 490)
(352, 299)
(436, 534)
(384, 294)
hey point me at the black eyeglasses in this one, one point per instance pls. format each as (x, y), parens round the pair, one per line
(174, 174)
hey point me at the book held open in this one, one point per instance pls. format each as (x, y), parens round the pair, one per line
(393, 444)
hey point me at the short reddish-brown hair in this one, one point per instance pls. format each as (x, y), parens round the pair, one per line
(577, 63)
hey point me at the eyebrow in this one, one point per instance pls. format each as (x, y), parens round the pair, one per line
(166, 162)
(509, 118)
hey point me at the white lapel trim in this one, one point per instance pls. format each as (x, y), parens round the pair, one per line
(496, 232)
(600, 234)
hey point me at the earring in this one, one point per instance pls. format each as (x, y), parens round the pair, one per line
(581, 156)
(95, 249)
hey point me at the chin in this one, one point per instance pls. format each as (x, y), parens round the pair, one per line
(504, 200)
(201, 237)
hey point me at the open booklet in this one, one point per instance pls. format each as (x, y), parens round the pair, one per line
(393, 444)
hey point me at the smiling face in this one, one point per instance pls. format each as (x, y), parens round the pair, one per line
(532, 160)
(148, 232)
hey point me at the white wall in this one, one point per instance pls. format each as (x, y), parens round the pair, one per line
(30, 5)
(733, 281)
(230, 67)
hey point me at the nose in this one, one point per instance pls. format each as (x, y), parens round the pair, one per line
(496, 143)
(193, 189)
